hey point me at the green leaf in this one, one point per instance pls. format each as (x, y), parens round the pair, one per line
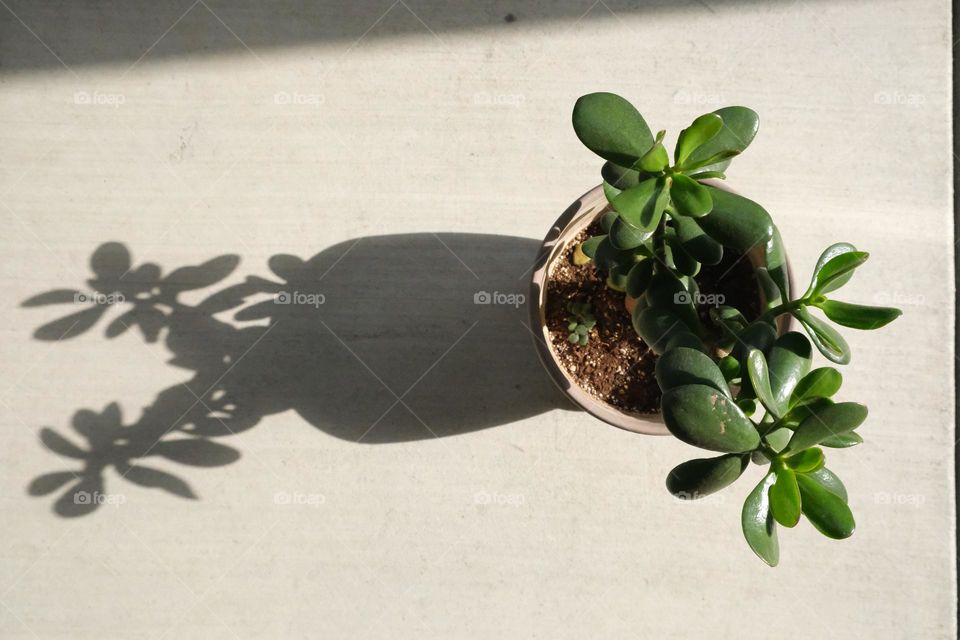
(757, 335)
(843, 440)
(740, 126)
(772, 296)
(831, 420)
(624, 236)
(760, 380)
(617, 276)
(690, 197)
(666, 291)
(611, 127)
(607, 220)
(789, 361)
(759, 527)
(778, 439)
(736, 222)
(638, 279)
(858, 316)
(706, 418)
(682, 260)
(825, 510)
(655, 160)
(656, 326)
(620, 178)
(806, 461)
(701, 477)
(831, 273)
(683, 366)
(606, 256)
(822, 382)
(830, 343)
(775, 257)
(693, 137)
(802, 411)
(685, 339)
(829, 481)
(589, 246)
(642, 206)
(785, 498)
(695, 242)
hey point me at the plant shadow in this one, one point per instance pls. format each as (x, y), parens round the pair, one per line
(376, 340)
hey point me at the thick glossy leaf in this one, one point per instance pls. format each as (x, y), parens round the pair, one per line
(772, 296)
(822, 382)
(759, 527)
(656, 327)
(611, 127)
(683, 366)
(828, 341)
(624, 236)
(778, 439)
(589, 246)
(757, 335)
(829, 481)
(836, 271)
(655, 160)
(789, 361)
(690, 198)
(858, 316)
(736, 221)
(667, 292)
(740, 126)
(830, 420)
(617, 276)
(843, 440)
(806, 461)
(685, 339)
(695, 242)
(642, 206)
(828, 254)
(775, 256)
(638, 279)
(620, 178)
(802, 411)
(701, 477)
(785, 498)
(693, 137)
(607, 220)
(682, 261)
(607, 256)
(706, 418)
(825, 510)
(760, 380)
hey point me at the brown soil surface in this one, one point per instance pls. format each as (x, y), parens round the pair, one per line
(615, 365)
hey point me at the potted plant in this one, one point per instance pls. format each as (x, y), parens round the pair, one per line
(664, 303)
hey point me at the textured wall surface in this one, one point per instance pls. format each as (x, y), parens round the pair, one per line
(381, 457)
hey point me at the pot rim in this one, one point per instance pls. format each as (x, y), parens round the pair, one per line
(571, 222)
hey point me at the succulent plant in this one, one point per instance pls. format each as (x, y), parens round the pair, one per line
(580, 322)
(734, 385)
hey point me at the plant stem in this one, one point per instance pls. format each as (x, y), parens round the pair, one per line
(786, 307)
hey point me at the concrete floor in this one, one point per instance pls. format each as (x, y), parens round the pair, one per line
(387, 459)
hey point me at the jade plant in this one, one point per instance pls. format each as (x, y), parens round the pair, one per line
(732, 380)
(580, 322)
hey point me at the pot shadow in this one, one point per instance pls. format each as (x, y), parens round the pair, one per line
(375, 340)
